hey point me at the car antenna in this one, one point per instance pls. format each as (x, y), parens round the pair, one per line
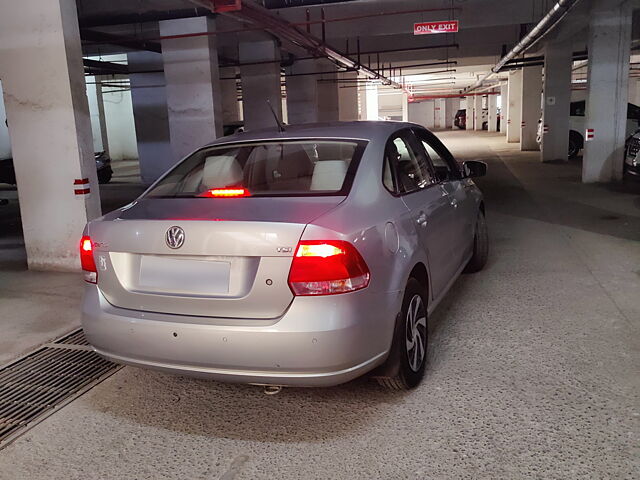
(280, 125)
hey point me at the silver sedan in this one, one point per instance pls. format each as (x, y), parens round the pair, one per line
(306, 257)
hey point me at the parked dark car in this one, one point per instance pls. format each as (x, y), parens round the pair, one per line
(632, 155)
(103, 166)
(232, 128)
(460, 119)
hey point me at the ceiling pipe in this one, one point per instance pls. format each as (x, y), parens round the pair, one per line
(95, 67)
(210, 8)
(419, 98)
(544, 26)
(277, 4)
(281, 28)
(92, 37)
(128, 18)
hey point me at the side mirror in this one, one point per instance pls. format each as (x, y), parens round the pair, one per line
(473, 168)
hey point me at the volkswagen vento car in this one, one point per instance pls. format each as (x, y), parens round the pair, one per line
(306, 257)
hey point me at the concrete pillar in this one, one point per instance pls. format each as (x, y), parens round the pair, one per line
(302, 91)
(423, 113)
(492, 107)
(452, 105)
(94, 114)
(370, 110)
(260, 81)
(609, 48)
(440, 113)
(477, 112)
(101, 116)
(348, 96)
(405, 107)
(504, 107)
(229, 88)
(515, 106)
(151, 118)
(531, 95)
(96, 110)
(328, 103)
(285, 113)
(193, 84)
(312, 96)
(48, 117)
(556, 101)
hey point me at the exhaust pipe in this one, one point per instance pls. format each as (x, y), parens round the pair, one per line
(272, 389)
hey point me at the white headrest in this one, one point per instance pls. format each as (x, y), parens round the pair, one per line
(221, 171)
(328, 175)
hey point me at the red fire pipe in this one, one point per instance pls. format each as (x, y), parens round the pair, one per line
(419, 98)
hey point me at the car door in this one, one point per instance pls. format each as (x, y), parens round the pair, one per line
(429, 206)
(452, 183)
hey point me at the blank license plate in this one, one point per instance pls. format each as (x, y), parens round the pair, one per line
(194, 277)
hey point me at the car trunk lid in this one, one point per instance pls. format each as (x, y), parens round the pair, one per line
(233, 263)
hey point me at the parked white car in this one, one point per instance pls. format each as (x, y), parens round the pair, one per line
(578, 125)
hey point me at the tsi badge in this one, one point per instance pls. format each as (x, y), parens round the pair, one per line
(174, 237)
(284, 249)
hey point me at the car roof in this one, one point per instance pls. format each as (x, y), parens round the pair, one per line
(360, 130)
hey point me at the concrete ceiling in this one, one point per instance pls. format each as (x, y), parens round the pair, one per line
(383, 29)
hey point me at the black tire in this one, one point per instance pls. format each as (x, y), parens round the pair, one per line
(480, 246)
(104, 176)
(575, 144)
(411, 361)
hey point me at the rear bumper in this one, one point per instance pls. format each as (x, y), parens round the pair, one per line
(320, 341)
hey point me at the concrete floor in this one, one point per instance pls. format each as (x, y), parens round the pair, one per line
(533, 369)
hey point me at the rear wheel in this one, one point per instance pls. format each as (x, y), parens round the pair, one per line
(104, 176)
(575, 144)
(409, 347)
(480, 246)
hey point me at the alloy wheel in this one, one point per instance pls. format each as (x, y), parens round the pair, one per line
(416, 333)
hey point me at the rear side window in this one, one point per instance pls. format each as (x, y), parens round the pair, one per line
(410, 167)
(445, 166)
(289, 168)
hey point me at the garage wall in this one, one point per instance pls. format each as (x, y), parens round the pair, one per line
(423, 113)
(5, 144)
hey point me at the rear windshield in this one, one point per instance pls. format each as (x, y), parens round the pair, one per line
(289, 168)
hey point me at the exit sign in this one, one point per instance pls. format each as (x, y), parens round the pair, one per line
(429, 28)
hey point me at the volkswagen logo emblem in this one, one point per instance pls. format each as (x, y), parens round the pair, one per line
(174, 237)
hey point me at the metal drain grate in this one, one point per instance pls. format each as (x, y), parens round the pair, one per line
(34, 386)
(74, 338)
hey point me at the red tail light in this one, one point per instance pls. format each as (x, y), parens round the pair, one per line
(87, 261)
(327, 267)
(226, 193)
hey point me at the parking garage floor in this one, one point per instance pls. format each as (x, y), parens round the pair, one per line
(533, 367)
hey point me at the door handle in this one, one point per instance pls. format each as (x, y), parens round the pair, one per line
(422, 219)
